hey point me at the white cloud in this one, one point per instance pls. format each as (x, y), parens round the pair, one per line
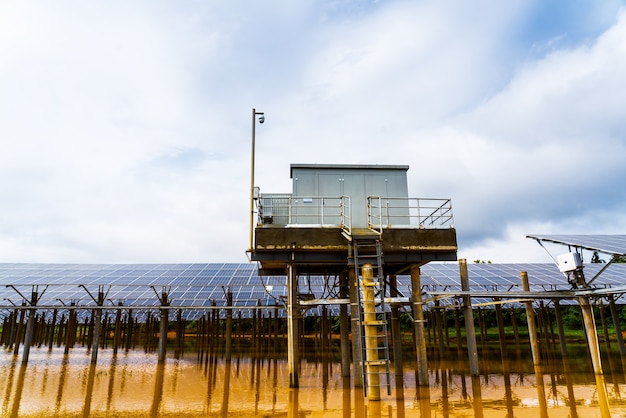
(125, 128)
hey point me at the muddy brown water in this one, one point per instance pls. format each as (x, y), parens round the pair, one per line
(133, 384)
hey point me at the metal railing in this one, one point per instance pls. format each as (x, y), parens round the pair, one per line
(285, 209)
(403, 212)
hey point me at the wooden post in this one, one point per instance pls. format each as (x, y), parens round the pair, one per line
(180, 332)
(30, 327)
(594, 351)
(418, 326)
(52, 326)
(229, 326)
(293, 335)
(165, 313)
(560, 327)
(117, 333)
(96, 330)
(371, 343)
(534, 346)
(470, 332)
(18, 331)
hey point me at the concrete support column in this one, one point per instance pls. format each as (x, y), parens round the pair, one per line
(357, 347)
(396, 333)
(418, 326)
(293, 336)
(594, 351)
(470, 331)
(534, 346)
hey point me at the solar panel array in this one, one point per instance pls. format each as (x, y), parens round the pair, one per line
(610, 244)
(204, 284)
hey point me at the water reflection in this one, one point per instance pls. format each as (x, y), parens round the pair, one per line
(133, 383)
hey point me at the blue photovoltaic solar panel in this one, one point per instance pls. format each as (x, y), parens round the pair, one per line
(202, 284)
(610, 244)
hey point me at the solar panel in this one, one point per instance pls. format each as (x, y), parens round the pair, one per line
(609, 244)
(198, 285)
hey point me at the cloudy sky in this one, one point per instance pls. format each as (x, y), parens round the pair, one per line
(125, 126)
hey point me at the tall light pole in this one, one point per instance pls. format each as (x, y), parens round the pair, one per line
(261, 116)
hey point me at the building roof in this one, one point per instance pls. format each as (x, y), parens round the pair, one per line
(347, 167)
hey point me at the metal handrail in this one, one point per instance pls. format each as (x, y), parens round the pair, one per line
(285, 209)
(390, 212)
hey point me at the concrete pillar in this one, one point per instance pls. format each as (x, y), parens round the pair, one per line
(396, 333)
(470, 332)
(357, 348)
(594, 351)
(293, 336)
(418, 326)
(534, 346)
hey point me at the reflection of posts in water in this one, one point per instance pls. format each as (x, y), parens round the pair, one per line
(89, 390)
(445, 405)
(508, 393)
(158, 390)
(257, 391)
(359, 403)
(62, 376)
(357, 354)
(609, 351)
(400, 396)
(503, 355)
(618, 333)
(534, 346)
(275, 384)
(423, 397)
(9, 385)
(373, 410)
(325, 350)
(570, 388)
(478, 397)
(292, 407)
(111, 381)
(594, 350)
(418, 327)
(225, 397)
(347, 394)
(19, 388)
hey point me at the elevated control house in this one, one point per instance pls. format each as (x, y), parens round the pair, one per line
(334, 207)
(357, 227)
